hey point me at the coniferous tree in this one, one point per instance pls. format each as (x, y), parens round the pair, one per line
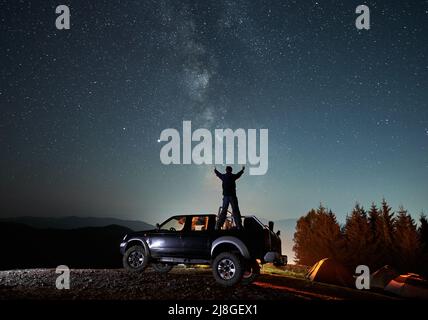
(358, 238)
(317, 236)
(375, 244)
(382, 227)
(303, 239)
(331, 235)
(386, 228)
(407, 247)
(423, 236)
(387, 216)
(423, 232)
(374, 238)
(373, 216)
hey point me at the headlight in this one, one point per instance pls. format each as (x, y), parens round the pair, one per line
(124, 238)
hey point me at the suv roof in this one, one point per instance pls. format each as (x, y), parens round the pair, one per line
(194, 214)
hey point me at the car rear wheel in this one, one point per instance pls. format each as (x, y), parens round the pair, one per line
(162, 267)
(135, 259)
(227, 268)
(252, 271)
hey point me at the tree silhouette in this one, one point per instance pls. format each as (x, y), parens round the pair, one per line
(317, 236)
(375, 244)
(303, 239)
(407, 246)
(374, 238)
(387, 216)
(423, 232)
(373, 217)
(382, 226)
(358, 238)
(423, 237)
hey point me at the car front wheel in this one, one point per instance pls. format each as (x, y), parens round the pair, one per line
(227, 268)
(135, 259)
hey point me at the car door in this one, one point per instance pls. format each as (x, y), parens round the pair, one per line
(196, 237)
(167, 242)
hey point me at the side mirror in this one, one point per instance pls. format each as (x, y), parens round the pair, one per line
(157, 226)
(271, 225)
(278, 233)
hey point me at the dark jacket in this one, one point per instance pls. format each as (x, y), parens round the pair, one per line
(229, 185)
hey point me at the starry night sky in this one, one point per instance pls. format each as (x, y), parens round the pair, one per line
(82, 109)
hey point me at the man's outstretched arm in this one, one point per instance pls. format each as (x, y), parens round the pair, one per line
(218, 174)
(239, 174)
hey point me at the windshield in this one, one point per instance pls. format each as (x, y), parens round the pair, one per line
(174, 224)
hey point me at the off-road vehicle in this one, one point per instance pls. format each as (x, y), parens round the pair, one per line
(234, 255)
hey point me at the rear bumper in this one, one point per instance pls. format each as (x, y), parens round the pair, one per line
(276, 258)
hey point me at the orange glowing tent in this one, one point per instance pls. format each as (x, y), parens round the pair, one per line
(330, 271)
(380, 278)
(409, 285)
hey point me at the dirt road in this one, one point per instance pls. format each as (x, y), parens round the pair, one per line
(184, 283)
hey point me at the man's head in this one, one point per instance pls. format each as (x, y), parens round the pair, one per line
(228, 169)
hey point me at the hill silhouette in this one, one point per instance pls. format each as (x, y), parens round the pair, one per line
(75, 222)
(23, 246)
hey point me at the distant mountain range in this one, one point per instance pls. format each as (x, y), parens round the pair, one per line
(74, 222)
(22, 246)
(82, 242)
(78, 242)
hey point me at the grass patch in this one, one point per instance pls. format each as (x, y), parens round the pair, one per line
(294, 271)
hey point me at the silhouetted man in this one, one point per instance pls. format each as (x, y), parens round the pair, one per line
(229, 197)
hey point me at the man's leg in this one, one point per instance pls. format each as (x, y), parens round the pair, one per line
(236, 214)
(222, 215)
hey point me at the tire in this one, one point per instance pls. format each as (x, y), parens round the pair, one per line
(251, 273)
(162, 267)
(135, 259)
(227, 269)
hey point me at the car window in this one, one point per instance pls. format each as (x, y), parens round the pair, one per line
(175, 224)
(229, 223)
(200, 223)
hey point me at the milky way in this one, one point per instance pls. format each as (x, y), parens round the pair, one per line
(82, 109)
